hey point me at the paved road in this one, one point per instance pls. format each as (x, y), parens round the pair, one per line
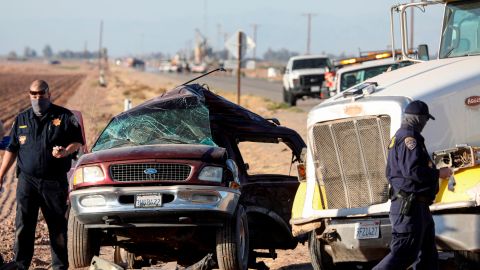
(258, 87)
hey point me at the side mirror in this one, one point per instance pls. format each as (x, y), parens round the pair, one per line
(423, 52)
(232, 166)
(284, 70)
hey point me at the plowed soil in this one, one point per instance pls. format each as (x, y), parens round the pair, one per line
(74, 85)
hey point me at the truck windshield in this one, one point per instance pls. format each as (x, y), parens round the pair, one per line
(310, 63)
(157, 126)
(460, 35)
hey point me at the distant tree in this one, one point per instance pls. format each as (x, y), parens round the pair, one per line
(12, 55)
(29, 53)
(47, 51)
(281, 55)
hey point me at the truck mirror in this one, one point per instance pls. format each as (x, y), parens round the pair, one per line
(284, 70)
(423, 52)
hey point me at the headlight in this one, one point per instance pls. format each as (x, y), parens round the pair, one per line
(88, 174)
(211, 173)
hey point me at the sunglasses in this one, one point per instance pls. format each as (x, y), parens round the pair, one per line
(39, 93)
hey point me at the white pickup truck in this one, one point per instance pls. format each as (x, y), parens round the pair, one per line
(343, 201)
(304, 76)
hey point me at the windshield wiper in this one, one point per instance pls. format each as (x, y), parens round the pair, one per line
(172, 140)
(120, 141)
(449, 52)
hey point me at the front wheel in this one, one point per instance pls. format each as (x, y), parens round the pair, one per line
(82, 244)
(233, 242)
(321, 260)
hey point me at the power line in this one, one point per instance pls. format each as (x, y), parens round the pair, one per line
(309, 29)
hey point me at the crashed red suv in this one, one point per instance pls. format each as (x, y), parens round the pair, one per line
(167, 180)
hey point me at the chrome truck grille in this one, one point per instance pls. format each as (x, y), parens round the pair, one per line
(350, 156)
(137, 172)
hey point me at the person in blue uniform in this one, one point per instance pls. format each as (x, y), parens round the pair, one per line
(414, 182)
(43, 140)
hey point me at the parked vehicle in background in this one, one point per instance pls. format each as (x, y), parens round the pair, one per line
(343, 202)
(351, 75)
(304, 76)
(172, 179)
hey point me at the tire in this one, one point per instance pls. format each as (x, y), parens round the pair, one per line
(124, 258)
(321, 260)
(81, 243)
(292, 100)
(285, 96)
(466, 260)
(233, 242)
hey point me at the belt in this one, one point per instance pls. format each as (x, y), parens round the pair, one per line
(416, 197)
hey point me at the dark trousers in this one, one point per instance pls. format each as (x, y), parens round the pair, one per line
(413, 240)
(50, 196)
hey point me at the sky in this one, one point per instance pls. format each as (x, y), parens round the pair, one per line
(144, 26)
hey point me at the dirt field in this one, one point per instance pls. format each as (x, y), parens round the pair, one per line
(74, 85)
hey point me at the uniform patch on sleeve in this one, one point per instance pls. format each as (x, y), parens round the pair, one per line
(392, 143)
(411, 143)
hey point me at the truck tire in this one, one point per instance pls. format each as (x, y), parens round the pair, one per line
(321, 260)
(233, 242)
(465, 260)
(82, 245)
(285, 96)
(292, 99)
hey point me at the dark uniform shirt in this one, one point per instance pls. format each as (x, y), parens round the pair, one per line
(409, 167)
(33, 138)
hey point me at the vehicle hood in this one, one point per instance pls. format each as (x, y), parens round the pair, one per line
(162, 151)
(308, 71)
(422, 80)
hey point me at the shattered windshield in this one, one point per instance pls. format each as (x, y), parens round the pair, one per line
(190, 125)
(461, 30)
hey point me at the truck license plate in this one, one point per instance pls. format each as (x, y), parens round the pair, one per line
(367, 229)
(315, 89)
(148, 200)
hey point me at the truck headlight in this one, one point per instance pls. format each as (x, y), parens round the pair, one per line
(296, 82)
(211, 173)
(88, 174)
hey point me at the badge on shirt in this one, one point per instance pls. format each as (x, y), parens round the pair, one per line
(56, 122)
(392, 143)
(22, 139)
(411, 143)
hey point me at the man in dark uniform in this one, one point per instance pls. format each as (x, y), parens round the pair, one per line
(43, 139)
(414, 181)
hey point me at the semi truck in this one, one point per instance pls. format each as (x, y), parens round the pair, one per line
(342, 203)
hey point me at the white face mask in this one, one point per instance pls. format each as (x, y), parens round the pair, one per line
(40, 106)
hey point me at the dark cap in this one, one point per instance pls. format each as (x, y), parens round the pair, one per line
(418, 107)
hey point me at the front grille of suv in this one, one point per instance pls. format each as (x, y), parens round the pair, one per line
(312, 80)
(350, 156)
(138, 172)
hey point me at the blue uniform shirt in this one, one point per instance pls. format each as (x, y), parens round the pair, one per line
(409, 166)
(33, 139)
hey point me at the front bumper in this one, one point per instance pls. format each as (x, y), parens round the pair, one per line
(310, 91)
(181, 206)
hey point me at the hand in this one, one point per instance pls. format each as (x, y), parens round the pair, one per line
(59, 152)
(445, 173)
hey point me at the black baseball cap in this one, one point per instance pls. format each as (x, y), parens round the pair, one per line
(418, 107)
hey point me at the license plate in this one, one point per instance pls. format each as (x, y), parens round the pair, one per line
(148, 200)
(367, 229)
(315, 89)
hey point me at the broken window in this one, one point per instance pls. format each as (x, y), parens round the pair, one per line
(267, 158)
(181, 123)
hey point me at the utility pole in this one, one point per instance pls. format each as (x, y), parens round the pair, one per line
(309, 29)
(219, 37)
(239, 65)
(100, 47)
(255, 26)
(411, 26)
